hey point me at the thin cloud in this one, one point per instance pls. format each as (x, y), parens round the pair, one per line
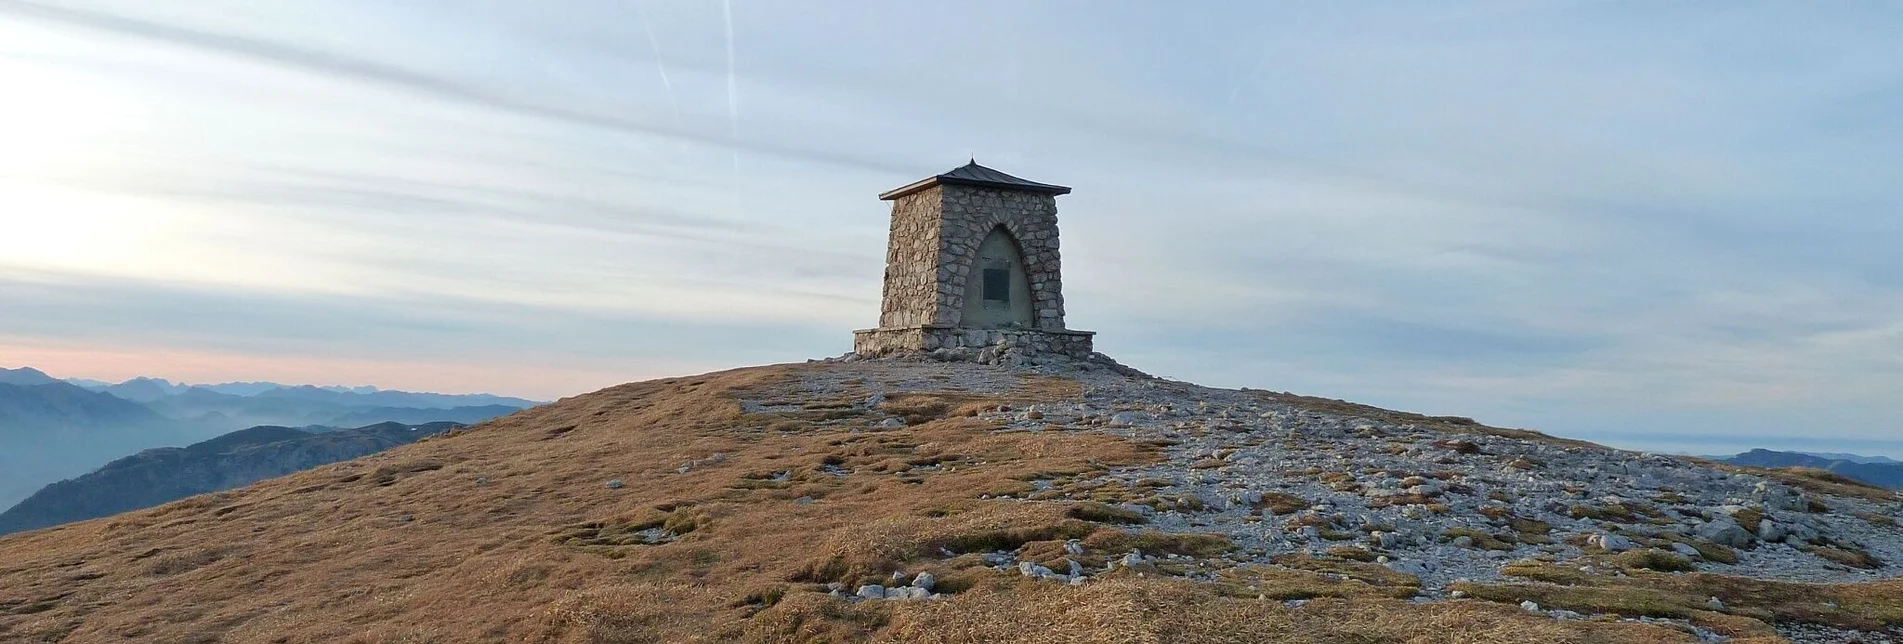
(331, 64)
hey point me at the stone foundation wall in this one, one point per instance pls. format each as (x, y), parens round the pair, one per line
(873, 342)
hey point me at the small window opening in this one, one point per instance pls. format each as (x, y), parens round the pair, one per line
(997, 285)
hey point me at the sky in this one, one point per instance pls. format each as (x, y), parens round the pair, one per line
(1664, 226)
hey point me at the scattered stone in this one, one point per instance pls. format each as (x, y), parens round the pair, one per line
(871, 591)
(1530, 606)
(616, 484)
(1610, 542)
(924, 580)
(1724, 531)
(1409, 566)
(1776, 497)
(909, 592)
(1033, 570)
(1396, 485)
(1771, 531)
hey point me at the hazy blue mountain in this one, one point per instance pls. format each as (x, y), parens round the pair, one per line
(411, 416)
(56, 430)
(298, 407)
(52, 430)
(258, 387)
(25, 376)
(144, 389)
(58, 405)
(155, 476)
(1885, 474)
(242, 388)
(392, 398)
(1854, 458)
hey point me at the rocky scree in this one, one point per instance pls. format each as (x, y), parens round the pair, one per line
(1442, 500)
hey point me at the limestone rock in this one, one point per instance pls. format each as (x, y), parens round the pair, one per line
(1725, 531)
(1610, 542)
(1771, 531)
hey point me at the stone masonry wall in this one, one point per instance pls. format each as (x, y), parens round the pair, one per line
(954, 342)
(912, 292)
(969, 214)
(935, 234)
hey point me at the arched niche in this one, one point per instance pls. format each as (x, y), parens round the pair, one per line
(997, 294)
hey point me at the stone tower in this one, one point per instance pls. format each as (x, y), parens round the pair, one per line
(972, 264)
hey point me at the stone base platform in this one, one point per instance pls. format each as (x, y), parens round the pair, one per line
(1028, 342)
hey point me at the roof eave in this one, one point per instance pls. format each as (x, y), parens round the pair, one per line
(916, 186)
(909, 188)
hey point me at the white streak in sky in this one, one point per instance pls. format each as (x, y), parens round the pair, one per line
(640, 9)
(1244, 81)
(733, 94)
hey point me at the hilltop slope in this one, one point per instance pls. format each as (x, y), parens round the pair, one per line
(156, 476)
(1064, 503)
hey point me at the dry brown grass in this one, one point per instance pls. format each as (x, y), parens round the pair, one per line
(1132, 610)
(1280, 503)
(507, 532)
(512, 519)
(1640, 592)
(1653, 559)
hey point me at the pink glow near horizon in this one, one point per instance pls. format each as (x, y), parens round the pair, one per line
(114, 364)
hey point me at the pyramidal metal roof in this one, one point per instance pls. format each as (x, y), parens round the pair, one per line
(972, 174)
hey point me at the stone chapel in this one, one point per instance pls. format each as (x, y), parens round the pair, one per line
(972, 264)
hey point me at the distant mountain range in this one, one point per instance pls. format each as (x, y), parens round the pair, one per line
(165, 474)
(53, 429)
(1875, 470)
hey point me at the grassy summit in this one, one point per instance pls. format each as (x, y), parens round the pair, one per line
(752, 505)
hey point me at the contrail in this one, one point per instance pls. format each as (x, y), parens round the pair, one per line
(1244, 82)
(640, 9)
(733, 94)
